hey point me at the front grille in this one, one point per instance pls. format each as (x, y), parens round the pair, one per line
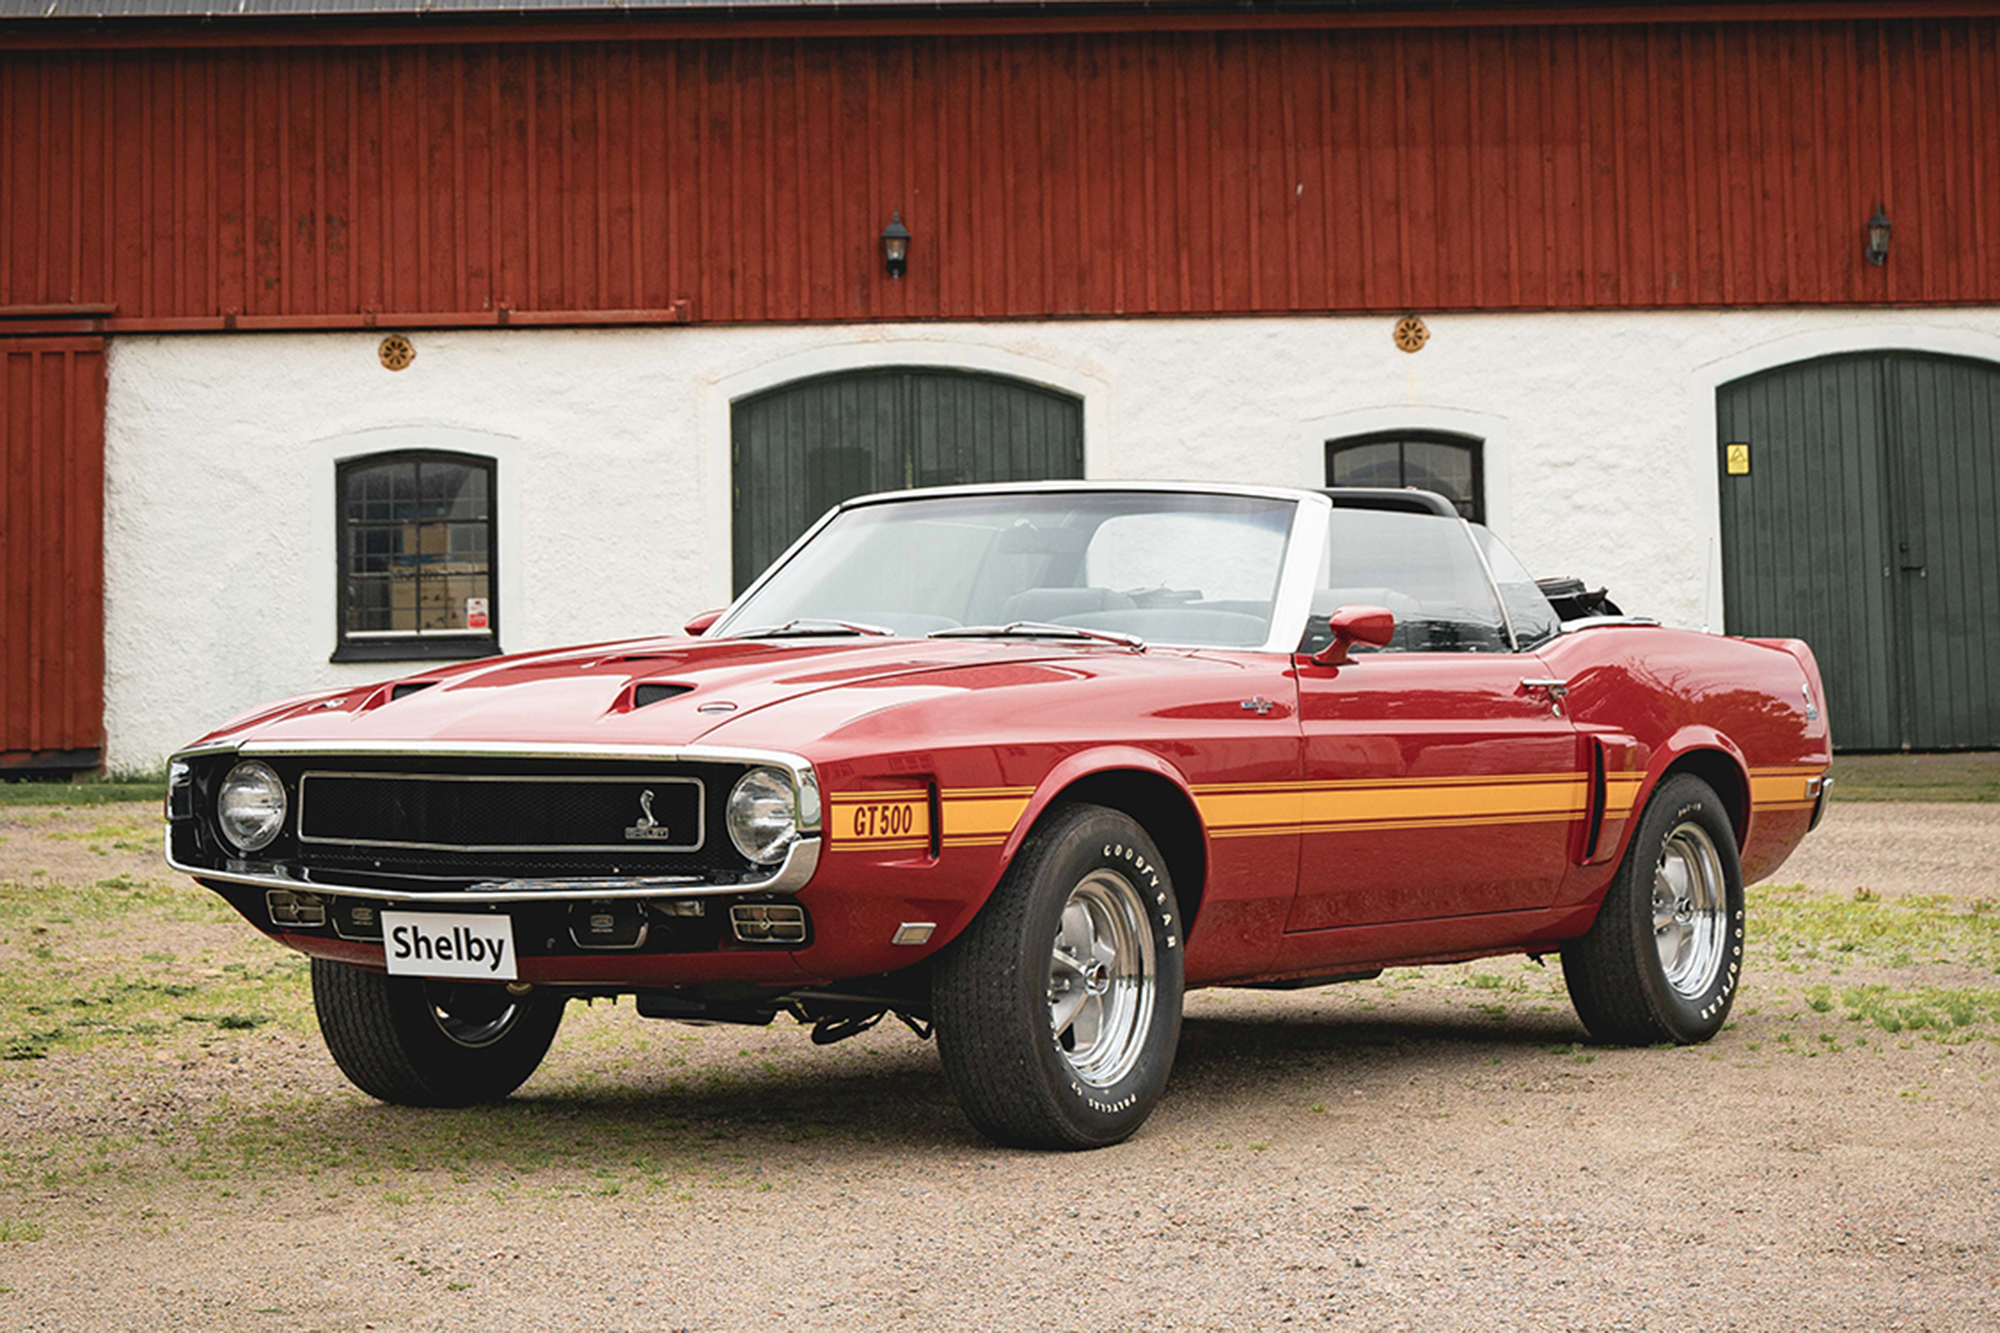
(636, 817)
(435, 823)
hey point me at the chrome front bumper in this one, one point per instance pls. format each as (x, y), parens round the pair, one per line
(790, 876)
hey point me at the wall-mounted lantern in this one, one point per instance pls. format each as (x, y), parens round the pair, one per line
(896, 245)
(1878, 238)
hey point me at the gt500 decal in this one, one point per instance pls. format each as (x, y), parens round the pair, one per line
(883, 819)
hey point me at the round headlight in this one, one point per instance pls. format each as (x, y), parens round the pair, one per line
(763, 814)
(251, 806)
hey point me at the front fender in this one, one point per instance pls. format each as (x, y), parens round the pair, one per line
(1090, 763)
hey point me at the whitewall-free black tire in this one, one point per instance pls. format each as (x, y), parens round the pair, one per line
(413, 1042)
(1663, 959)
(1059, 1009)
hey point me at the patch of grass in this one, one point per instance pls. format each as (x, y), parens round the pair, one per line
(1940, 1012)
(1788, 920)
(17, 1232)
(87, 791)
(1917, 777)
(61, 991)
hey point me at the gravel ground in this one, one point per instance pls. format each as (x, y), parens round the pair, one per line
(1438, 1149)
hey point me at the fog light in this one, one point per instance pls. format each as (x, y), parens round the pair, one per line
(295, 909)
(356, 921)
(913, 932)
(768, 923)
(608, 924)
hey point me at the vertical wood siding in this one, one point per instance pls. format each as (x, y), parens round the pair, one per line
(51, 538)
(1075, 174)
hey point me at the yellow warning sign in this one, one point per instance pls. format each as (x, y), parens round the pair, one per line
(1737, 458)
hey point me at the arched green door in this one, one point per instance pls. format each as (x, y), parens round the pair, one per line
(1861, 513)
(801, 448)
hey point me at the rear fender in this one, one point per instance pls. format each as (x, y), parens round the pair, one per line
(1712, 757)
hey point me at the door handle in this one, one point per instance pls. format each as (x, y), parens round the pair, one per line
(1555, 689)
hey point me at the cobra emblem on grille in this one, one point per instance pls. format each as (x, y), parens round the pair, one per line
(648, 829)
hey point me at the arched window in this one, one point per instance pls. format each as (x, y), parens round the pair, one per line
(1451, 465)
(417, 543)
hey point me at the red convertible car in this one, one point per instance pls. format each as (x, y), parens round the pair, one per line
(1022, 764)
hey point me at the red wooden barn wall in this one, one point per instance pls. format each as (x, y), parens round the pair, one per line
(1670, 164)
(51, 537)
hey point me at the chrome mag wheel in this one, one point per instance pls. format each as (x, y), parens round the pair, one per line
(1690, 910)
(1103, 979)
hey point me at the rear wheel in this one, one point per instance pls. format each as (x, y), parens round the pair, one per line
(1662, 960)
(414, 1042)
(1059, 1009)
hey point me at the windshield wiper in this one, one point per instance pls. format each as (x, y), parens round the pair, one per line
(806, 626)
(1035, 629)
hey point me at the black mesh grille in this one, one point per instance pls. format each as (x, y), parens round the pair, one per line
(651, 692)
(634, 816)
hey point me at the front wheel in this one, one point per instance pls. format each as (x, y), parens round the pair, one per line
(1662, 960)
(1059, 1009)
(413, 1042)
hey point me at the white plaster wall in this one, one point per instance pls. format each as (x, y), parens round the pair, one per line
(615, 479)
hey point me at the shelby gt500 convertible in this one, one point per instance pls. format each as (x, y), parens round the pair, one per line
(1022, 764)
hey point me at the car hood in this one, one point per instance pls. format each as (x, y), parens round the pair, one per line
(588, 696)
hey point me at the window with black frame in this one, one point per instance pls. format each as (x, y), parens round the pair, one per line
(417, 543)
(1451, 465)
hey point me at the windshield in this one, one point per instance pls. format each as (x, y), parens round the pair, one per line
(1165, 567)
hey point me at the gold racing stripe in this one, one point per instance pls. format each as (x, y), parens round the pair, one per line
(880, 820)
(1621, 792)
(872, 821)
(987, 816)
(1355, 805)
(1789, 787)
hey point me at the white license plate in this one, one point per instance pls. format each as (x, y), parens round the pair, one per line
(476, 947)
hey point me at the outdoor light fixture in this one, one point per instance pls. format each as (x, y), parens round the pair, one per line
(896, 245)
(1878, 238)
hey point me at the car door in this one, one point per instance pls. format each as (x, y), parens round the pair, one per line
(1440, 777)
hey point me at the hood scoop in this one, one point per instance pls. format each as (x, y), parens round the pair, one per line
(388, 694)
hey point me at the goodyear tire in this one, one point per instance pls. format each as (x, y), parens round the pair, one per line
(1665, 955)
(412, 1042)
(1059, 1009)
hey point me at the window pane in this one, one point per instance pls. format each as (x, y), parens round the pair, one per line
(1419, 566)
(447, 598)
(467, 544)
(453, 490)
(1535, 621)
(1367, 465)
(368, 604)
(1444, 468)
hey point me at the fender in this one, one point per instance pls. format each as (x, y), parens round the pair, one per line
(1101, 759)
(1691, 739)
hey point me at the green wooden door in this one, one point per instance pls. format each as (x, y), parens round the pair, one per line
(1868, 524)
(803, 447)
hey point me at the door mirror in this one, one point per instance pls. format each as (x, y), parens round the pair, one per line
(1372, 625)
(694, 628)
